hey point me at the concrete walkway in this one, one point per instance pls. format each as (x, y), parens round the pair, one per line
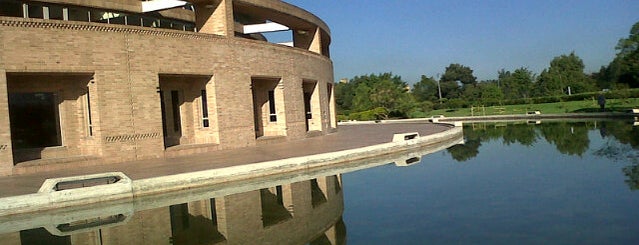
(347, 137)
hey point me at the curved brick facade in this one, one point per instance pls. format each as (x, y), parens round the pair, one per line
(119, 84)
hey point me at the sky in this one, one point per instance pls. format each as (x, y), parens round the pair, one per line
(411, 38)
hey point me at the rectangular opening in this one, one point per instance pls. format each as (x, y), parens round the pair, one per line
(205, 109)
(66, 185)
(11, 9)
(412, 160)
(35, 11)
(410, 136)
(35, 120)
(56, 12)
(91, 223)
(89, 120)
(267, 101)
(175, 105)
(307, 105)
(271, 106)
(77, 14)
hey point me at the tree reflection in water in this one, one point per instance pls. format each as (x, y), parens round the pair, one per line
(621, 141)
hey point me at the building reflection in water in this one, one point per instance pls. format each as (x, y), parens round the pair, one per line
(305, 212)
(303, 207)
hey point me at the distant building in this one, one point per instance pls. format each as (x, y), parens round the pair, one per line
(104, 81)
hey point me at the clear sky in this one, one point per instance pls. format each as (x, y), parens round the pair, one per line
(411, 38)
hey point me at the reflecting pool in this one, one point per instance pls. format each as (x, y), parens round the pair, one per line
(526, 183)
(509, 183)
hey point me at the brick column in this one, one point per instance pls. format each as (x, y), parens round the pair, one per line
(6, 155)
(215, 17)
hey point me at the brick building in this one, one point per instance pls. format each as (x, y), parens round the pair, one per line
(102, 81)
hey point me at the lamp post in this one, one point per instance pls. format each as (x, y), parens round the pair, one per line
(439, 88)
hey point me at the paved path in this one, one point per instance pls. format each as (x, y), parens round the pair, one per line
(347, 137)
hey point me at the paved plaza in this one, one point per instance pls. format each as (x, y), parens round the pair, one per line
(347, 137)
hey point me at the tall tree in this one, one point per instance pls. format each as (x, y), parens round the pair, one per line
(456, 72)
(426, 89)
(517, 84)
(383, 90)
(565, 71)
(628, 58)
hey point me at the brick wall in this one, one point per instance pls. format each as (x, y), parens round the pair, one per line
(126, 63)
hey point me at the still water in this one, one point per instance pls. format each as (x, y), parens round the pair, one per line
(520, 183)
(558, 183)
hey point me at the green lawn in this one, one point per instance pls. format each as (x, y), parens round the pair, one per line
(547, 108)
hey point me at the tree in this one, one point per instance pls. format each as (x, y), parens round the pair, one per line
(628, 58)
(344, 93)
(517, 84)
(490, 92)
(450, 89)
(564, 71)
(457, 72)
(371, 92)
(426, 90)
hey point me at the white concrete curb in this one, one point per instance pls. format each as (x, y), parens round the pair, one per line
(48, 198)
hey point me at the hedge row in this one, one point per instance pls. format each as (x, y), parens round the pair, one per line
(615, 94)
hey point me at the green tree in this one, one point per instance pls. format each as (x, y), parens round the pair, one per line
(628, 58)
(453, 76)
(457, 72)
(490, 92)
(450, 89)
(517, 84)
(426, 89)
(565, 71)
(344, 93)
(372, 92)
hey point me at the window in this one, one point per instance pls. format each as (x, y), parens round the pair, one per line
(35, 11)
(89, 121)
(175, 103)
(12, 9)
(35, 120)
(55, 12)
(205, 110)
(307, 105)
(271, 106)
(78, 14)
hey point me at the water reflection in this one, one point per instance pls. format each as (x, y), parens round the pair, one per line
(621, 140)
(291, 208)
(295, 213)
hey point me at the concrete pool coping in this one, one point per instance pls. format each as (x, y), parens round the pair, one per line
(140, 187)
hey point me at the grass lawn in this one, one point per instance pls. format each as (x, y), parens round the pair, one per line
(621, 105)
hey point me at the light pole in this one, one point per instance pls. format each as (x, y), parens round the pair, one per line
(439, 88)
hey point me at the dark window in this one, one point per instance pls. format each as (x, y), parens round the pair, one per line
(179, 214)
(213, 212)
(175, 103)
(34, 120)
(56, 13)
(35, 11)
(89, 120)
(205, 110)
(11, 8)
(163, 109)
(134, 20)
(78, 14)
(307, 105)
(271, 106)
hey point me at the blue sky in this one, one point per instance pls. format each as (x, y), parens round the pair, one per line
(421, 37)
